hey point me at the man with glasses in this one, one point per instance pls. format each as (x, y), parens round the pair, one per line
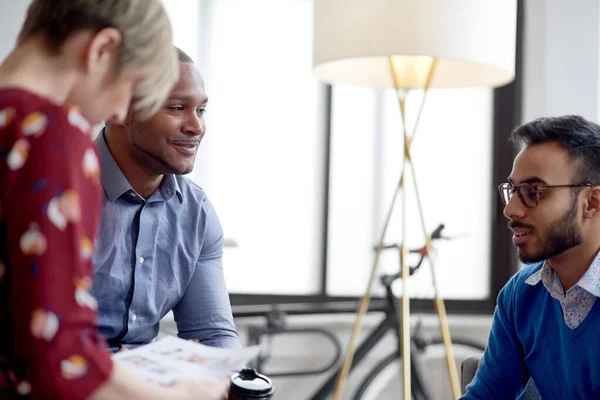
(547, 321)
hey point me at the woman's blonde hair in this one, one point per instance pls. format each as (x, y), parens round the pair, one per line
(147, 45)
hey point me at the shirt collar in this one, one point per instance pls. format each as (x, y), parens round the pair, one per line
(169, 187)
(114, 182)
(590, 281)
(536, 277)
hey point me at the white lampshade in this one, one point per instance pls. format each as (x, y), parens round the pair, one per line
(473, 42)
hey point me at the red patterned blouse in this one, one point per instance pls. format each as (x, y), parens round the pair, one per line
(50, 202)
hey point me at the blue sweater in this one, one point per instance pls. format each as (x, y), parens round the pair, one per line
(529, 338)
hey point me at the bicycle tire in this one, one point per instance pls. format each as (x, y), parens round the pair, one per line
(382, 365)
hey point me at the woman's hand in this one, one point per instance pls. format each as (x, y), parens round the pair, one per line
(123, 385)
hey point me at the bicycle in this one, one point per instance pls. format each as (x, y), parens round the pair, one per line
(376, 383)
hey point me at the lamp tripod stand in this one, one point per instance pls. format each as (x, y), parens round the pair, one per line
(401, 93)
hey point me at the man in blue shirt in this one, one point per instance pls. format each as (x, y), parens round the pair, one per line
(161, 243)
(547, 319)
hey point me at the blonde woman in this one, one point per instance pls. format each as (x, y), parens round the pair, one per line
(76, 63)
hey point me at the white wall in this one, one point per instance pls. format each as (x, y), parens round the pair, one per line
(11, 18)
(561, 68)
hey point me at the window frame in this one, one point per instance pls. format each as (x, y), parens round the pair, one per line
(507, 104)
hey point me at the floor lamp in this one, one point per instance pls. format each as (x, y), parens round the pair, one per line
(404, 45)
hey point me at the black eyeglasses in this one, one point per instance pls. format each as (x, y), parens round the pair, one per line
(530, 193)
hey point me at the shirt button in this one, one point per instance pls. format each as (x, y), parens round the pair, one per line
(141, 260)
(133, 317)
(132, 194)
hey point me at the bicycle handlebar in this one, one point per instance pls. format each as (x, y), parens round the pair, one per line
(387, 279)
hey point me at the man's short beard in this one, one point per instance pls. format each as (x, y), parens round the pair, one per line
(170, 169)
(562, 235)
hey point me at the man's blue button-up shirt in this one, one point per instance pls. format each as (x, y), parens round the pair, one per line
(159, 254)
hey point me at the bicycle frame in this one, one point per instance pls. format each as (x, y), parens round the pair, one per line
(391, 321)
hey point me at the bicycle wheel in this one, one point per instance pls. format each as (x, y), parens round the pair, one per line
(384, 381)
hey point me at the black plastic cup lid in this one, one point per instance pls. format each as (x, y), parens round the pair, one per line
(250, 383)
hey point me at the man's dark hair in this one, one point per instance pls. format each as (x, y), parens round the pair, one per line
(580, 137)
(183, 57)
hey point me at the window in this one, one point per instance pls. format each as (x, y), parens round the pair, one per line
(302, 175)
(452, 157)
(262, 158)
